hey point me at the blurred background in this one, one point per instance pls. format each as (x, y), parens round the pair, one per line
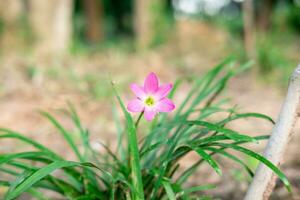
(54, 51)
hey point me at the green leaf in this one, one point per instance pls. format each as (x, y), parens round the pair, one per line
(209, 159)
(169, 190)
(9, 171)
(265, 161)
(37, 194)
(152, 147)
(188, 172)
(65, 134)
(203, 84)
(232, 157)
(23, 155)
(246, 115)
(197, 189)
(33, 192)
(19, 179)
(86, 197)
(15, 135)
(120, 134)
(83, 132)
(229, 133)
(39, 175)
(84, 135)
(49, 182)
(170, 96)
(164, 159)
(67, 190)
(134, 152)
(40, 157)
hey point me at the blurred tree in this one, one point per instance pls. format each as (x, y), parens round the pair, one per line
(249, 32)
(293, 16)
(51, 22)
(265, 12)
(142, 22)
(93, 15)
(121, 10)
(169, 6)
(10, 13)
(150, 22)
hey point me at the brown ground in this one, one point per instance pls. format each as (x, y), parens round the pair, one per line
(71, 78)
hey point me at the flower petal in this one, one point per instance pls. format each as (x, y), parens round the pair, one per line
(151, 83)
(165, 105)
(163, 90)
(149, 114)
(135, 105)
(138, 91)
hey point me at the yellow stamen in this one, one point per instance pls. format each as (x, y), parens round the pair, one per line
(150, 101)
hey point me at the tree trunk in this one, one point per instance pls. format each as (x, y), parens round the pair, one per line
(93, 15)
(11, 12)
(121, 10)
(51, 23)
(142, 26)
(249, 32)
(149, 19)
(265, 12)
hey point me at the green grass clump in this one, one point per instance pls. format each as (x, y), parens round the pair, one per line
(147, 168)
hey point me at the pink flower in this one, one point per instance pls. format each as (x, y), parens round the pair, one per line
(152, 98)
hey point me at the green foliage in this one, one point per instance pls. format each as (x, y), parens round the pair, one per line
(276, 56)
(32, 72)
(2, 26)
(268, 56)
(161, 23)
(293, 18)
(144, 169)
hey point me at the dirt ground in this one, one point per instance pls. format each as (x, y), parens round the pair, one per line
(28, 85)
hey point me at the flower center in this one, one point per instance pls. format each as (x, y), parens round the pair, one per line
(150, 101)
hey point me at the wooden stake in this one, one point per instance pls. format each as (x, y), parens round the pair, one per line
(264, 179)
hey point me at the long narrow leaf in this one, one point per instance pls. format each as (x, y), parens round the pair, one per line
(230, 133)
(247, 115)
(169, 190)
(15, 135)
(40, 174)
(134, 152)
(232, 157)
(209, 160)
(65, 134)
(265, 161)
(196, 189)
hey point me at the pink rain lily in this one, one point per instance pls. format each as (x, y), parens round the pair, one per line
(152, 98)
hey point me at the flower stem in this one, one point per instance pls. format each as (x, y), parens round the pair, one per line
(138, 120)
